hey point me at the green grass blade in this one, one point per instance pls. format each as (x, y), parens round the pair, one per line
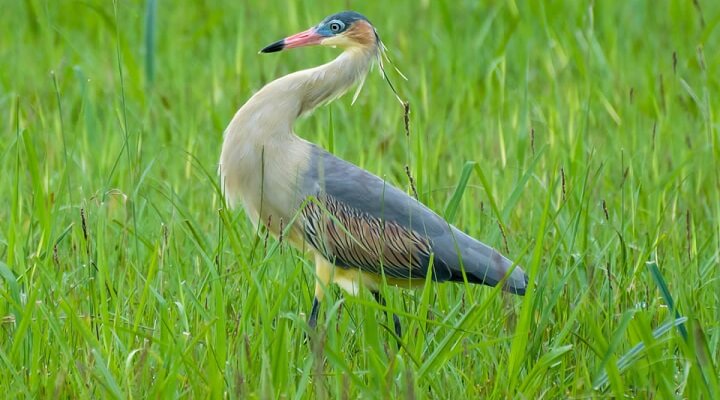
(452, 205)
(613, 345)
(150, 34)
(549, 360)
(665, 292)
(631, 356)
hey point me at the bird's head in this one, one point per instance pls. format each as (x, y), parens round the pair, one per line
(347, 29)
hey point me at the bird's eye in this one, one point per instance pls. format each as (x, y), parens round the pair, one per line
(336, 26)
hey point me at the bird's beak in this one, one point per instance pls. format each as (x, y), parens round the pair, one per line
(307, 38)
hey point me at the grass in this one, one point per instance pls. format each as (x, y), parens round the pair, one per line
(580, 138)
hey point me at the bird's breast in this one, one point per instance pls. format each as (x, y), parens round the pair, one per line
(264, 177)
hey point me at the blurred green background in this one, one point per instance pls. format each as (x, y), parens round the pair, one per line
(587, 130)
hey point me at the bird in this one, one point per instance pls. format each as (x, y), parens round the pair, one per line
(362, 231)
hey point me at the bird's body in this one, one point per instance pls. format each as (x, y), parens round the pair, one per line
(360, 228)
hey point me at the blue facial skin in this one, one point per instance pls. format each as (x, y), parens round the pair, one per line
(338, 23)
(326, 31)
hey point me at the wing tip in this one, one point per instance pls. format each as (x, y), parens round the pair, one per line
(517, 285)
(517, 289)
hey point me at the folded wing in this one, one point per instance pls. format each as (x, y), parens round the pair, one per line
(357, 220)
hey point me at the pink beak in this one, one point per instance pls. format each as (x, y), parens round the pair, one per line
(307, 38)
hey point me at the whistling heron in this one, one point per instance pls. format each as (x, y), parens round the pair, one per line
(357, 225)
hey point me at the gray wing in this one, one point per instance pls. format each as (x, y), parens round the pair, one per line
(357, 220)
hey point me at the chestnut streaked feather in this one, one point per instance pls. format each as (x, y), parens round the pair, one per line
(350, 238)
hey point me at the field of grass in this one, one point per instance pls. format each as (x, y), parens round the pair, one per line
(581, 139)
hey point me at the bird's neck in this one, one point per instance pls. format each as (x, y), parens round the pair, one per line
(285, 99)
(325, 83)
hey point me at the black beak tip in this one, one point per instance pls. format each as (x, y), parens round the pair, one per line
(274, 47)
